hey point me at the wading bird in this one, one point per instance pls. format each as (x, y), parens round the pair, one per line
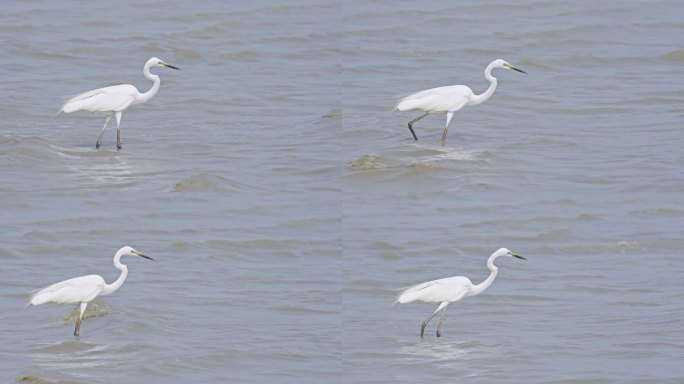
(84, 289)
(450, 290)
(115, 99)
(449, 99)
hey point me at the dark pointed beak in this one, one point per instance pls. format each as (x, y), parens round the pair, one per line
(171, 66)
(518, 256)
(517, 69)
(514, 68)
(142, 255)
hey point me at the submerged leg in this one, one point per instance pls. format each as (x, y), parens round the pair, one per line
(99, 139)
(78, 321)
(449, 115)
(425, 323)
(410, 124)
(118, 130)
(441, 321)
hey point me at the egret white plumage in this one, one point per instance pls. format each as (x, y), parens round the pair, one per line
(84, 289)
(450, 99)
(112, 101)
(450, 290)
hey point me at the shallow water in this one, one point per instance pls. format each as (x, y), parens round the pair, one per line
(285, 205)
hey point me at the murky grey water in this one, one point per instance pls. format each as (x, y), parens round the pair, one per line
(285, 205)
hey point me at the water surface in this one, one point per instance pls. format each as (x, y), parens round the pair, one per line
(285, 205)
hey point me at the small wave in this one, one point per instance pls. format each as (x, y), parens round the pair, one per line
(94, 309)
(38, 235)
(5, 254)
(423, 153)
(310, 223)
(419, 157)
(658, 211)
(565, 201)
(96, 168)
(181, 245)
(617, 246)
(366, 163)
(676, 56)
(424, 165)
(554, 234)
(333, 113)
(187, 54)
(71, 355)
(383, 245)
(234, 247)
(27, 150)
(443, 351)
(206, 182)
(72, 152)
(68, 346)
(242, 55)
(33, 379)
(301, 310)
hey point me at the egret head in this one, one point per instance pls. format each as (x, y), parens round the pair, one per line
(507, 252)
(504, 64)
(131, 251)
(157, 62)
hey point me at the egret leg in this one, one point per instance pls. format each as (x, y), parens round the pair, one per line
(118, 130)
(449, 115)
(78, 321)
(99, 139)
(441, 321)
(410, 124)
(425, 323)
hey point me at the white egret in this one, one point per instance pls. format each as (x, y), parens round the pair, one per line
(450, 290)
(84, 289)
(450, 99)
(115, 99)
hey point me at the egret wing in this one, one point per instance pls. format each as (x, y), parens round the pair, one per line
(436, 291)
(441, 99)
(76, 290)
(108, 99)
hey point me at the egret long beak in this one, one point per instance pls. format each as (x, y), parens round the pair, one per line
(142, 255)
(514, 68)
(170, 66)
(517, 256)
